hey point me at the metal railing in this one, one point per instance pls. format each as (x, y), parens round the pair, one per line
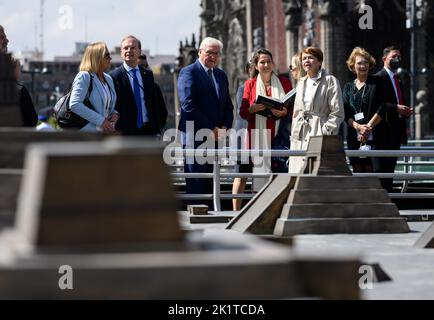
(408, 154)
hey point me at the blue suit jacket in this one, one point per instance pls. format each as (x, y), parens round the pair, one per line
(126, 103)
(199, 100)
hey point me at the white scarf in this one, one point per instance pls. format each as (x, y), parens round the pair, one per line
(261, 139)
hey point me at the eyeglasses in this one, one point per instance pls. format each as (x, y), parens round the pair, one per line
(212, 53)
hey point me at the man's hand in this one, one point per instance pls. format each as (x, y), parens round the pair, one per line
(404, 110)
(219, 133)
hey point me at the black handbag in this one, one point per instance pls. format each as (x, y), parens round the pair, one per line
(65, 117)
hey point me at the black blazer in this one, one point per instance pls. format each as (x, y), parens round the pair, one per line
(126, 104)
(28, 113)
(392, 131)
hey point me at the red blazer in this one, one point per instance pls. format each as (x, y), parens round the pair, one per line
(249, 99)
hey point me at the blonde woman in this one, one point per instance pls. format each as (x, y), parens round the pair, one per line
(362, 107)
(102, 116)
(295, 67)
(318, 107)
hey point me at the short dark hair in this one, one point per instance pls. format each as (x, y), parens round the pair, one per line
(389, 49)
(143, 57)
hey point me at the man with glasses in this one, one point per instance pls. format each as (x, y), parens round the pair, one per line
(135, 89)
(205, 104)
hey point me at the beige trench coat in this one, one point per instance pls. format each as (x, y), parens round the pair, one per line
(322, 117)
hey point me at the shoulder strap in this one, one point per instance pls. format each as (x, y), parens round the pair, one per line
(89, 91)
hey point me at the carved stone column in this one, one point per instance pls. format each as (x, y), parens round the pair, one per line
(333, 40)
(293, 12)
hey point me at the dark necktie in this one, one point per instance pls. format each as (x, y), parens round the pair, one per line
(210, 74)
(398, 90)
(138, 99)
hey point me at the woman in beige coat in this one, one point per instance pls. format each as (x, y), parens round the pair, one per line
(318, 108)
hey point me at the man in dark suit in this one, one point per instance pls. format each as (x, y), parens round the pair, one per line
(205, 104)
(159, 99)
(390, 133)
(135, 89)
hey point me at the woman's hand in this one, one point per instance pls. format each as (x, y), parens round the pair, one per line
(363, 132)
(108, 126)
(114, 117)
(256, 108)
(280, 113)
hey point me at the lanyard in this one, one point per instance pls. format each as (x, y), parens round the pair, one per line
(361, 100)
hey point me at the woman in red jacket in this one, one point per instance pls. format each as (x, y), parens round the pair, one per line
(263, 129)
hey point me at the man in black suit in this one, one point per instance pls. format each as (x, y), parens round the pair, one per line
(390, 133)
(159, 99)
(135, 89)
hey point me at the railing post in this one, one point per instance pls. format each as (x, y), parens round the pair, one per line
(405, 183)
(216, 184)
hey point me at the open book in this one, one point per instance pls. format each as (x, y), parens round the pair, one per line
(273, 103)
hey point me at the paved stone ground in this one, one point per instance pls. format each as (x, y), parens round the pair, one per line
(411, 269)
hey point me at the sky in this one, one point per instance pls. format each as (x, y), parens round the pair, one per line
(159, 24)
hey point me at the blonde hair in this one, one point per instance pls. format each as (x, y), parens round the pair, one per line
(296, 67)
(93, 57)
(357, 51)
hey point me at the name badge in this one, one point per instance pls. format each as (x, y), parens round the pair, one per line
(359, 116)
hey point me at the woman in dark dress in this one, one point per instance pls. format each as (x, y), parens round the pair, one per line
(362, 106)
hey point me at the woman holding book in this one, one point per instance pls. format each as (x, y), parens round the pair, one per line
(263, 124)
(318, 107)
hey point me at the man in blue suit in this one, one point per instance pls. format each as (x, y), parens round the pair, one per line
(205, 104)
(135, 88)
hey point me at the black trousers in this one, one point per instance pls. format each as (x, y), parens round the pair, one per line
(385, 165)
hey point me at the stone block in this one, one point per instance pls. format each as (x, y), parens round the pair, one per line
(81, 195)
(13, 142)
(259, 215)
(290, 227)
(426, 240)
(198, 210)
(338, 196)
(339, 210)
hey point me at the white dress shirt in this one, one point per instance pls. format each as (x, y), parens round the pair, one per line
(391, 75)
(216, 85)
